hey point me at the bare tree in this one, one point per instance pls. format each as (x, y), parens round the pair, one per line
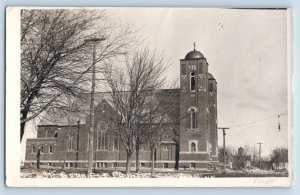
(130, 89)
(156, 117)
(279, 155)
(160, 120)
(254, 156)
(229, 151)
(55, 58)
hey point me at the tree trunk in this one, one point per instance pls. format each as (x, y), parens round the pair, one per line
(152, 161)
(22, 130)
(128, 158)
(65, 158)
(25, 111)
(92, 114)
(38, 158)
(22, 125)
(137, 154)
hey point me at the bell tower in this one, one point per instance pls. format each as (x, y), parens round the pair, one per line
(195, 137)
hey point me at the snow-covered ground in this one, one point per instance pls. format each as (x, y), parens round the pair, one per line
(160, 173)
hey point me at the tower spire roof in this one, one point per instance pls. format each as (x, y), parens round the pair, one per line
(194, 54)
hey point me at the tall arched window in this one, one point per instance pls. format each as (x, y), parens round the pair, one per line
(193, 81)
(70, 142)
(193, 147)
(193, 119)
(102, 137)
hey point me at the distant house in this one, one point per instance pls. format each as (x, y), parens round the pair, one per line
(241, 160)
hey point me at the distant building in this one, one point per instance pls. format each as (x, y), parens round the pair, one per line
(195, 116)
(241, 160)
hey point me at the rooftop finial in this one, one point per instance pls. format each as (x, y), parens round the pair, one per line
(194, 46)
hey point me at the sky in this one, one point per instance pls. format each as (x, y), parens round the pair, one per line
(247, 54)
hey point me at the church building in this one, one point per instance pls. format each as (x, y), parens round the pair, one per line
(192, 143)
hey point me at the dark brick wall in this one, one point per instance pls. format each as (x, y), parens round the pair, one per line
(213, 117)
(197, 99)
(46, 143)
(194, 156)
(46, 131)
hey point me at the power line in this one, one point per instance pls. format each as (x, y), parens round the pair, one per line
(254, 122)
(261, 120)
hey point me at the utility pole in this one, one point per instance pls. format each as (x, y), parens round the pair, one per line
(224, 156)
(94, 41)
(259, 157)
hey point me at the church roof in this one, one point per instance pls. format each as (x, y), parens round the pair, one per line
(194, 55)
(64, 118)
(211, 77)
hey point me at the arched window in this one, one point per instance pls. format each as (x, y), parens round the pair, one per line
(116, 142)
(70, 143)
(50, 149)
(193, 81)
(193, 147)
(42, 149)
(193, 119)
(33, 149)
(102, 137)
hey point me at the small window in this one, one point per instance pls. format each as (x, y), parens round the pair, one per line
(42, 149)
(98, 165)
(104, 164)
(165, 148)
(143, 164)
(115, 164)
(193, 81)
(165, 165)
(33, 149)
(183, 69)
(49, 164)
(193, 67)
(193, 147)
(193, 119)
(55, 134)
(104, 107)
(211, 87)
(50, 149)
(193, 165)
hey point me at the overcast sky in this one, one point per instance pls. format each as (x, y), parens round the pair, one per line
(247, 54)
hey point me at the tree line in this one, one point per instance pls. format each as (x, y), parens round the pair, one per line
(276, 160)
